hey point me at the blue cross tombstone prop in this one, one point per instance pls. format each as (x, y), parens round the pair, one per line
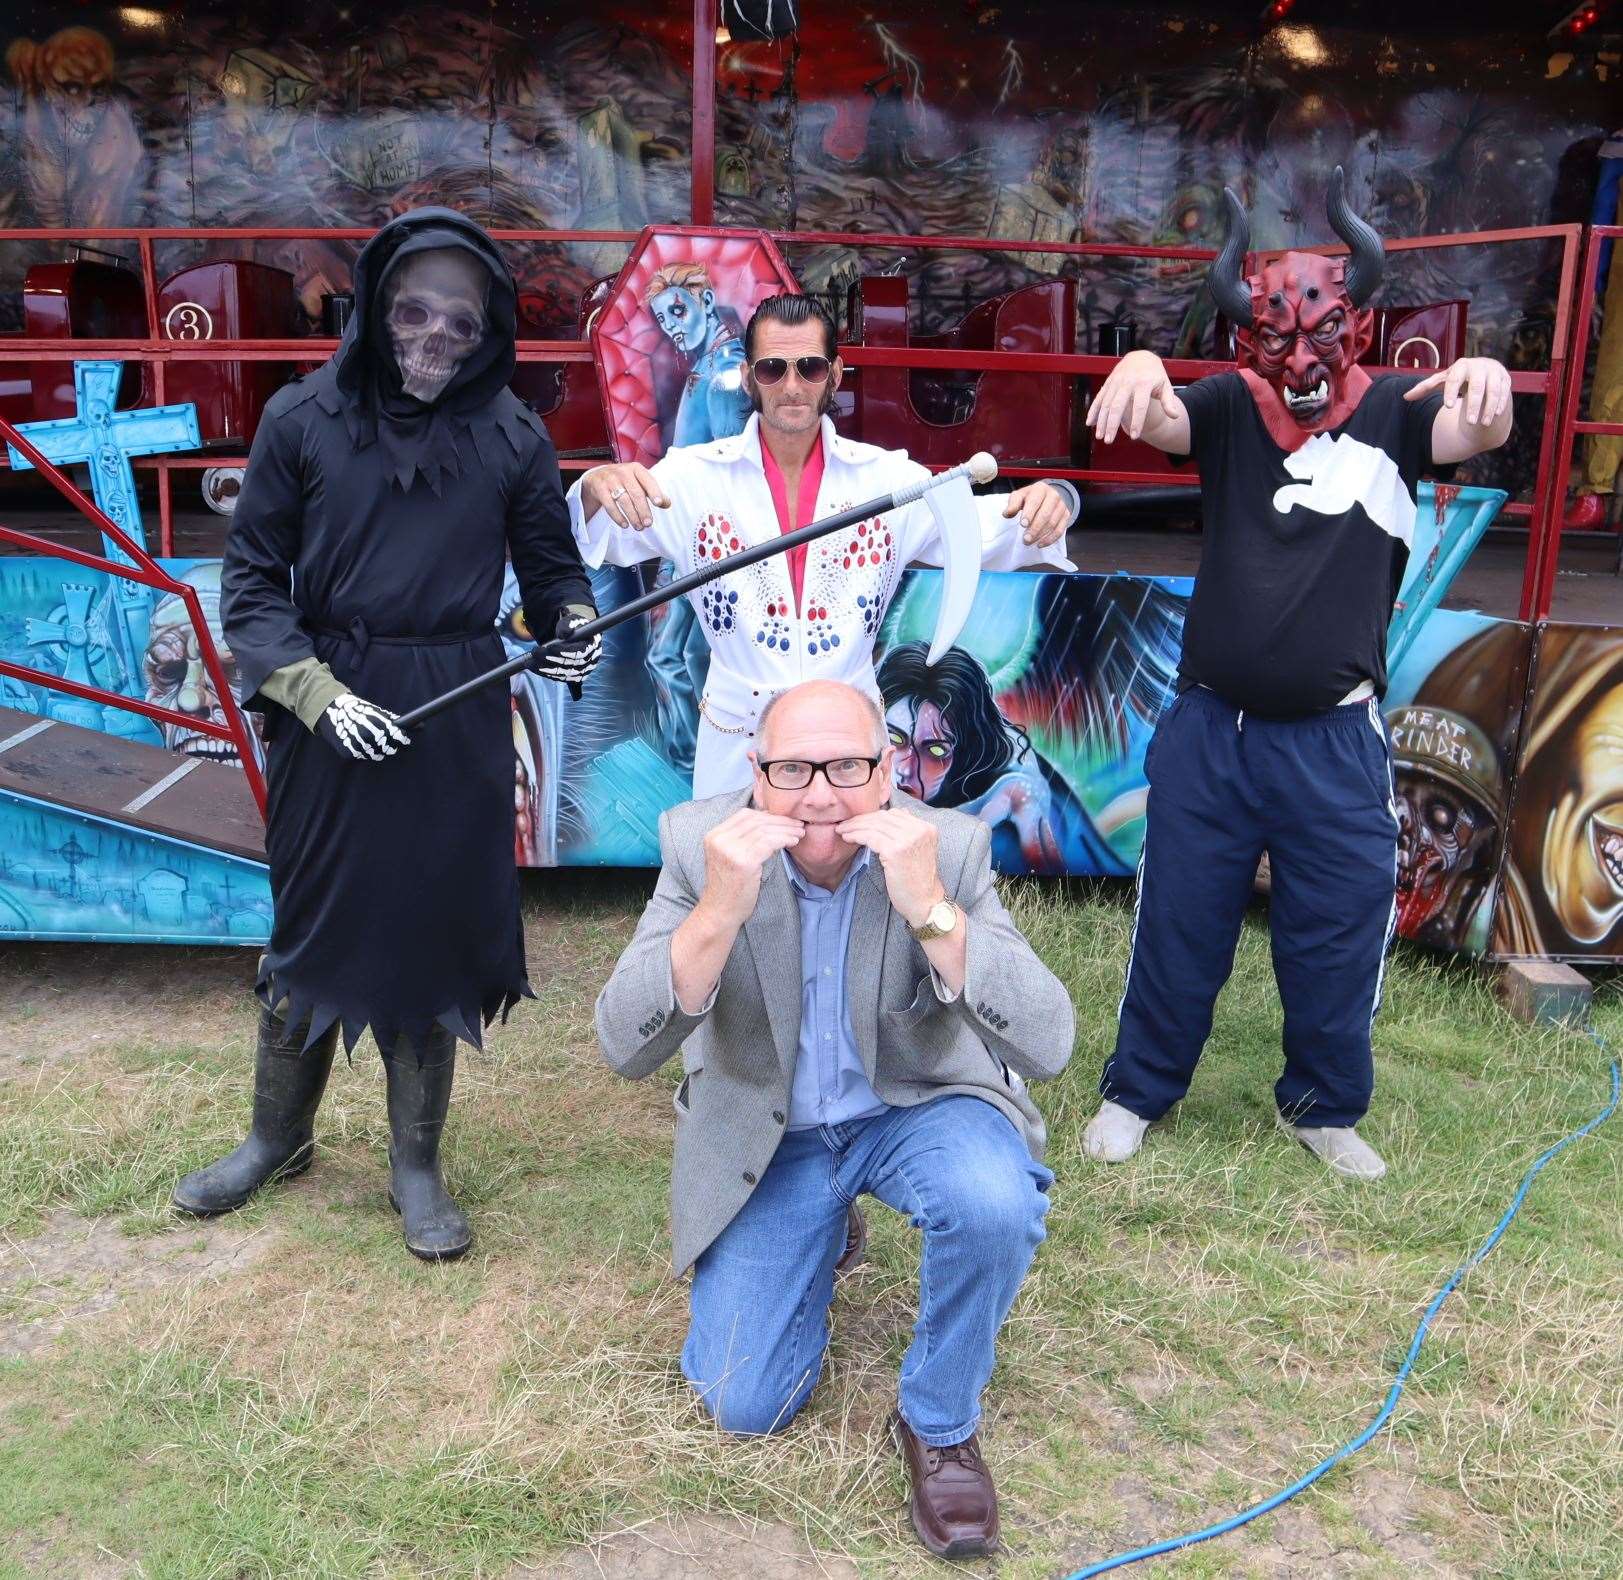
(105, 439)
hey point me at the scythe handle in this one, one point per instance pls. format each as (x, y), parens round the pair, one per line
(980, 468)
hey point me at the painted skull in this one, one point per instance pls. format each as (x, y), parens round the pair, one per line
(435, 314)
(176, 676)
(1301, 321)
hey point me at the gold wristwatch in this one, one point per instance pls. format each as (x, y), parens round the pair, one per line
(940, 920)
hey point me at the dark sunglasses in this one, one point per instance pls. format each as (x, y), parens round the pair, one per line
(844, 773)
(770, 370)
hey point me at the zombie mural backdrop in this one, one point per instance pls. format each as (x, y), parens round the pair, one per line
(1507, 745)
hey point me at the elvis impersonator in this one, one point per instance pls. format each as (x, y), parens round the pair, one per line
(1275, 741)
(814, 612)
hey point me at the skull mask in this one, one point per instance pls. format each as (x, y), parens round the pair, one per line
(435, 317)
(1301, 321)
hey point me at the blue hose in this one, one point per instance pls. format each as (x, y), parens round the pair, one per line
(1268, 1505)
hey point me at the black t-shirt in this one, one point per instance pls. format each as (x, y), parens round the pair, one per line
(1304, 553)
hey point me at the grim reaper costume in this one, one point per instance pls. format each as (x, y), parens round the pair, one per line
(363, 576)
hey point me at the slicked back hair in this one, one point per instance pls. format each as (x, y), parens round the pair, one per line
(791, 309)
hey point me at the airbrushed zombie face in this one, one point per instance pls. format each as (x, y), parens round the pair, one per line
(1305, 341)
(686, 317)
(435, 314)
(924, 743)
(1444, 838)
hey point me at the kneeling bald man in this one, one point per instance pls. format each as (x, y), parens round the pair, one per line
(856, 1013)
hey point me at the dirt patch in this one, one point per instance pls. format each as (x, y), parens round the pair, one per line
(1390, 1507)
(693, 1547)
(76, 1268)
(46, 1554)
(1394, 1516)
(67, 1001)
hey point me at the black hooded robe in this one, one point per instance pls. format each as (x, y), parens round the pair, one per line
(372, 533)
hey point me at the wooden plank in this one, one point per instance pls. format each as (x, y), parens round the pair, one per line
(109, 777)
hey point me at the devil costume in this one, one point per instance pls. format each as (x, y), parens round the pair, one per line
(1275, 743)
(362, 576)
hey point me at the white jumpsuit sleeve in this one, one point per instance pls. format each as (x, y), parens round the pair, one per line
(603, 541)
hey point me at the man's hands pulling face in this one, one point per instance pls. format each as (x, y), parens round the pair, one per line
(735, 851)
(906, 848)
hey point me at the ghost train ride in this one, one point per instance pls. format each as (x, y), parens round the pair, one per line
(1007, 377)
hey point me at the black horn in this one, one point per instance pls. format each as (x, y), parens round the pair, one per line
(1368, 261)
(1223, 279)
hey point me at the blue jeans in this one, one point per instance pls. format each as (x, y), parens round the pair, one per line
(761, 1291)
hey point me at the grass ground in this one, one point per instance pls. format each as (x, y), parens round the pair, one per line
(286, 1393)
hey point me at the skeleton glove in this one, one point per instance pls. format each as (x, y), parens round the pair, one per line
(356, 728)
(574, 661)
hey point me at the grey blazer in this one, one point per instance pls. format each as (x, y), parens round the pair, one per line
(1013, 1021)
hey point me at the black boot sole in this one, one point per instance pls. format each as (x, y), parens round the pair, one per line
(288, 1171)
(449, 1255)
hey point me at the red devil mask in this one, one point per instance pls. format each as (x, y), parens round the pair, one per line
(1302, 324)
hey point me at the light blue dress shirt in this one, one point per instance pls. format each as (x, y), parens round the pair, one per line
(830, 1085)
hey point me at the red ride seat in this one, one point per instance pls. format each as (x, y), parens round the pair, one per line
(1423, 338)
(565, 395)
(941, 417)
(227, 299)
(83, 300)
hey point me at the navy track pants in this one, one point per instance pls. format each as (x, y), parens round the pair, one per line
(1316, 794)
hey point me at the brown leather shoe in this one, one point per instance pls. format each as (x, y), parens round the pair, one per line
(954, 1503)
(856, 1240)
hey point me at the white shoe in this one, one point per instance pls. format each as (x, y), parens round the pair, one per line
(1339, 1147)
(1114, 1134)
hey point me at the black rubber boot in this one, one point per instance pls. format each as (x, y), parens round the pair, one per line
(281, 1138)
(419, 1097)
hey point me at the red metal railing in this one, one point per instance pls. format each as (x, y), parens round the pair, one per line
(702, 172)
(1542, 512)
(1549, 545)
(146, 571)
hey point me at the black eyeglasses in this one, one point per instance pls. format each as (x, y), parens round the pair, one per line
(844, 773)
(770, 370)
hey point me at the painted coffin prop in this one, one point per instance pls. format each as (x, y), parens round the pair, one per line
(669, 340)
